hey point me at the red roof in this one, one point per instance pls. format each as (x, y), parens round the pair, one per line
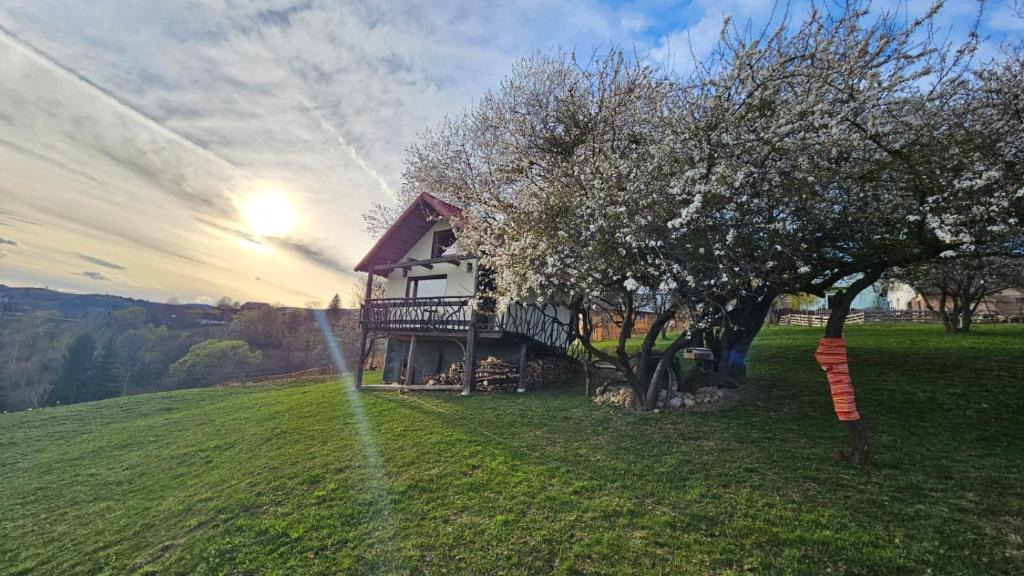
(418, 218)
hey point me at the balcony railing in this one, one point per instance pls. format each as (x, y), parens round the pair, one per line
(438, 314)
(453, 314)
(537, 322)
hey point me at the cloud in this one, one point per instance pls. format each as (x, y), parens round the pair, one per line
(94, 275)
(8, 241)
(11, 219)
(99, 261)
(311, 253)
(282, 16)
(144, 165)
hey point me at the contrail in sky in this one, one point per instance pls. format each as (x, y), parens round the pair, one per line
(351, 151)
(20, 44)
(23, 46)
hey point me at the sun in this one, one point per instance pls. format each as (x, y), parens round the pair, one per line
(269, 214)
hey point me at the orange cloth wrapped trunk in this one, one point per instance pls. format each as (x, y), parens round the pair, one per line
(831, 355)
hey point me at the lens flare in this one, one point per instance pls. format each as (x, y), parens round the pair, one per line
(376, 481)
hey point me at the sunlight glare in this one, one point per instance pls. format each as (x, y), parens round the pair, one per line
(269, 214)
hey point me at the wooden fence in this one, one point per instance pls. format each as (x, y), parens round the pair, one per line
(327, 370)
(884, 315)
(816, 318)
(608, 326)
(871, 315)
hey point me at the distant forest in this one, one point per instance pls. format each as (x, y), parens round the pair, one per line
(58, 348)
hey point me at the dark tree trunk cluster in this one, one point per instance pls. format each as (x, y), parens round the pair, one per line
(743, 323)
(956, 310)
(649, 370)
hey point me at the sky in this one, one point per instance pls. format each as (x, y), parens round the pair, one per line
(199, 149)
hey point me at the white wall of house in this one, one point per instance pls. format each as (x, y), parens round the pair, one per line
(458, 280)
(900, 295)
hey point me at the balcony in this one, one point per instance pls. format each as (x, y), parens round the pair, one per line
(453, 315)
(436, 314)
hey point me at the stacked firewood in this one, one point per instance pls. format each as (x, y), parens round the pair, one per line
(494, 374)
(548, 370)
(451, 377)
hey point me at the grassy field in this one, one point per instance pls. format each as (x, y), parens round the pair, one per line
(298, 478)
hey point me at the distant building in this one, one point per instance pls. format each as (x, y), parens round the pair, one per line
(882, 295)
(254, 306)
(208, 322)
(892, 295)
(1005, 304)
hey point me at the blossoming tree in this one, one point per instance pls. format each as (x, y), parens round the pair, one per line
(790, 160)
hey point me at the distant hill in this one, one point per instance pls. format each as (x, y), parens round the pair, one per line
(38, 326)
(20, 301)
(93, 306)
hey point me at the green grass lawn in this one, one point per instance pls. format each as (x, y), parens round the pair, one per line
(300, 478)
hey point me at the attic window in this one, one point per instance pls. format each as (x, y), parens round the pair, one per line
(443, 240)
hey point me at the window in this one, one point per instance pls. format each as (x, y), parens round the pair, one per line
(443, 240)
(425, 286)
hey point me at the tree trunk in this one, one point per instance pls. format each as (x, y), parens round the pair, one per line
(971, 303)
(957, 317)
(745, 322)
(661, 372)
(966, 318)
(587, 381)
(636, 370)
(948, 320)
(858, 449)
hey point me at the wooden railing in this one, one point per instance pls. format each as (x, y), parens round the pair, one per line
(540, 323)
(453, 314)
(439, 314)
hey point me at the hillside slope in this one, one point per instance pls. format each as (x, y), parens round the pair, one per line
(304, 478)
(67, 305)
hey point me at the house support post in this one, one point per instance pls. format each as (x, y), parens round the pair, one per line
(522, 368)
(410, 361)
(363, 327)
(469, 363)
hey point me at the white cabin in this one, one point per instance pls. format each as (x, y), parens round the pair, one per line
(426, 315)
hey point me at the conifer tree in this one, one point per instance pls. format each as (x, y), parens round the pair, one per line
(334, 309)
(104, 378)
(71, 381)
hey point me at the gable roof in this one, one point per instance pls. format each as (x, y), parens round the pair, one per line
(415, 221)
